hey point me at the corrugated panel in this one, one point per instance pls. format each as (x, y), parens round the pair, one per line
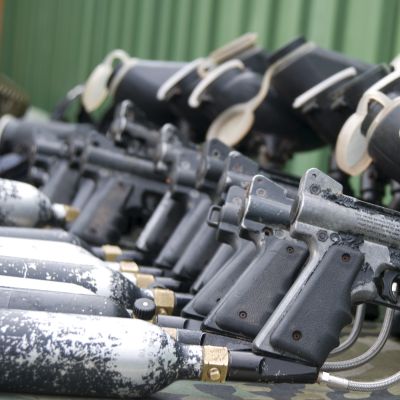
(50, 45)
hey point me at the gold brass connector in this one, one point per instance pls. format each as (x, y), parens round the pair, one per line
(111, 253)
(215, 364)
(71, 213)
(128, 266)
(171, 332)
(165, 301)
(144, 280)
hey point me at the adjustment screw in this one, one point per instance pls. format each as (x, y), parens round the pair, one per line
(315, 189)
(290, 249)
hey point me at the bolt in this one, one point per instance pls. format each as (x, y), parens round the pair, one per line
(346, 257)
(261, 192)
(185, 164)
(243, 314)
(237, 201)
(296, 335)
(315, 189)
(335, 237)
(322, 236)
(214, 374)
(290, 249)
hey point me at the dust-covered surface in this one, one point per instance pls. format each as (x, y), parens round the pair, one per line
(388, 362)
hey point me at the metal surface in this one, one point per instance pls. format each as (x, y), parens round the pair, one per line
(384, 364)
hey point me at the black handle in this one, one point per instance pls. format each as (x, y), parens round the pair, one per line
(101, 219)
(208, 297)
(310, 329)
(254, 297)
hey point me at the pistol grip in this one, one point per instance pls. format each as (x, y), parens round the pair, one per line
(310, 329)
(254, 297)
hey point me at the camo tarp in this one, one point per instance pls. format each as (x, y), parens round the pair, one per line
(386, 363)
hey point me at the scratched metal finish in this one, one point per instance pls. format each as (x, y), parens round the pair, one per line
(384, 364)
(23, 205)
(91, 356)
(64, 262)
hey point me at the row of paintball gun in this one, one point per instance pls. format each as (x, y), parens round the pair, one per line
(149, 232)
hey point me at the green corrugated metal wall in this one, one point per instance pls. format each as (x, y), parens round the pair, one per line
(50, 45)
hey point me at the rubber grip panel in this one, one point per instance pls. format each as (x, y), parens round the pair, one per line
(209, 296)
(311, 328)
(254, 297)
(101, 219)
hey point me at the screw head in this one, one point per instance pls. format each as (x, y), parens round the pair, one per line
(346, 257)
(315, 189)
(290, 249)
(261, 192)
(296, 335)
(243, 314)
(322, 236)
(214, 374)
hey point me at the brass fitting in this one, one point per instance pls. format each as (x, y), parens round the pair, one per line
(165, 301)
(111, 253)
(71, 213)
(215, 364)
(128, 266)
(171, 332)
(143, 280)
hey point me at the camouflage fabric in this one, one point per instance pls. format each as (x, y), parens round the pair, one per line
(383, 365)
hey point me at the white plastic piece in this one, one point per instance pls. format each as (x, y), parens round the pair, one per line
(194, 100)
(166, 89)
(352, 146)
(233, 48)
(127, 66)
(232, 125)
(321, 86)
(96, 91)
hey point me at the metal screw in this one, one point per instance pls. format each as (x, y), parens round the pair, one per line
(315, 189)
(290, 249)
(335, 237)
(214, 374)
(346, 257)
(243, 314)
(322, 236)
(296, 335)
(185, 164)
(261, 192)
(237, 201)
(216, 153)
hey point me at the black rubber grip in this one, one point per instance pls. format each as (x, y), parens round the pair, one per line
(254, 297)
(223, 254)
(197, 254)
(196, 212)
(310, 329)
(208, 297)
(101, 219)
